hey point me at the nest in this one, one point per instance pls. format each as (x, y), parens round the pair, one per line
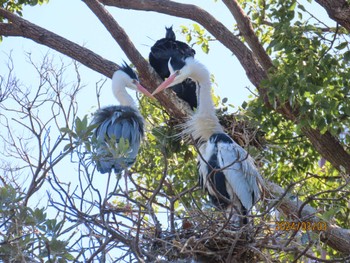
(243, 131)
(208, 239)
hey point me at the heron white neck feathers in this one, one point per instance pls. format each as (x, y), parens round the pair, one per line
(120, 80)
(204, 122)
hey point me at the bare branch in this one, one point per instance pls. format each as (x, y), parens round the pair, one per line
(246, 29)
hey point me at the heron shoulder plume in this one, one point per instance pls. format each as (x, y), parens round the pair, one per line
(200, 127)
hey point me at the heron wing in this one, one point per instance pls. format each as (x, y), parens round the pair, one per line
(116, 122)
(240, 172)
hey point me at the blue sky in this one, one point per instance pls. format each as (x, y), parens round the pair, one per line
(74, 21)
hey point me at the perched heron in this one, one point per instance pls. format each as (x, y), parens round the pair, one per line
(159, 56)
(226, 170)
(119, 125)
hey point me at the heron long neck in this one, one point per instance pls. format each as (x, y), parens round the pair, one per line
(204, 122)
(122, 95)
(124, 98)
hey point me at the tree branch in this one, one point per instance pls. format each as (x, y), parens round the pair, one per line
(22, 27)
(246, 29)
(329, 147)
(338, 10)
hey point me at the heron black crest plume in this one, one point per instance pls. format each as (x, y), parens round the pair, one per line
(170, 33)
(159, 56)
(128, 70)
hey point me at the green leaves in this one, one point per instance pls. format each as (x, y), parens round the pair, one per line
(29, 231)
(81, 134)
(342, 45)
(199, 35)
(16, 6)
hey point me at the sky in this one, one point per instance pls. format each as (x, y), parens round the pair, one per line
(74, 21)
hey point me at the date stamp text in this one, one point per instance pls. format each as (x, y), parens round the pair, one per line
(304, 226)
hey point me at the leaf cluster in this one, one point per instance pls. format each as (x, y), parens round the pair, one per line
(26, 233)
(16, 6)
(200, 36)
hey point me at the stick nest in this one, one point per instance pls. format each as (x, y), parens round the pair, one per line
(209, 239)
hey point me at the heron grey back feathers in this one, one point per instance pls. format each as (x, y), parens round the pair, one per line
(116, 124)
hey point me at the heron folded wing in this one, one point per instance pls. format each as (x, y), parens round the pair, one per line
(240, 173)
(116, 122)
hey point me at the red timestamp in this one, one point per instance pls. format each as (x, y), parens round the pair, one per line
(305, 226)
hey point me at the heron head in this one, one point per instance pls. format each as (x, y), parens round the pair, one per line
(180, 69)
(132, 81)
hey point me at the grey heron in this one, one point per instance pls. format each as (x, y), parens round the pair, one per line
(116, 124)
(226, 170)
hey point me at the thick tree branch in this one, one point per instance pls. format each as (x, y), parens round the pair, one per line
(9, 30)
(22, 27)
(329, 147)
(338, 10)
(246, 29)
(249, 62)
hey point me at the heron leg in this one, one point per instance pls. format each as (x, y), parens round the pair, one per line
(107, 187)
(126, 172)
(128, 205)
